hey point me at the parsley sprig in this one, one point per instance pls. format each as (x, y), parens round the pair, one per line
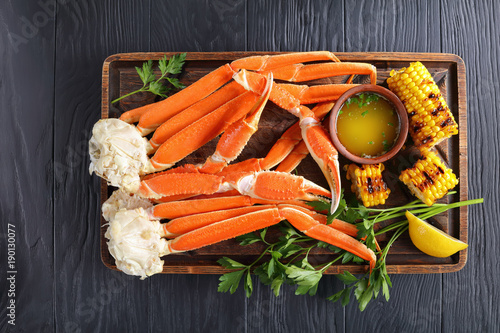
(157, 86)
(289, 256)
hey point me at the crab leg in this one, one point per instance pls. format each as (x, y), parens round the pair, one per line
(236, 136)
(292, 160)
(290, 96)
(266, 62)
(301, 72)
(175, 209)
(136, 235)
(153, 115)
(236, 226)
(196, 111)
(289, 142)
(223, 230)
(271, 185)
(179, 184)
(203, 130)
(322, 150)
(312, 228)
(185, 224)
(266, 185)
(315, 94)
(315, 136)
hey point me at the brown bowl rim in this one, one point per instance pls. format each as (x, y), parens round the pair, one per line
(403, 123)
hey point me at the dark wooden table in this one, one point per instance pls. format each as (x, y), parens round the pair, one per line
(51, 54)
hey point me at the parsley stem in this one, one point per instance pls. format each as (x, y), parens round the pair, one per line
(301, 252)
(444, 208)
(331, 262)
(390, 227)
(396, 235)
(261, 255)
(428, 213)
(133, 92)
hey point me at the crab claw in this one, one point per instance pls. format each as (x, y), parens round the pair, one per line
(272, 185)
(118, 153)
(322, 150)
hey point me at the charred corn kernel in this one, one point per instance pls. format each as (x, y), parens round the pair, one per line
(429, 179)
(431, 121)
(367, 183)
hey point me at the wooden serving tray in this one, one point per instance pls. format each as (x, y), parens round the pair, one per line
(448, 70)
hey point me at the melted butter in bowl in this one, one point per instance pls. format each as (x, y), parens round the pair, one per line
(368, 124)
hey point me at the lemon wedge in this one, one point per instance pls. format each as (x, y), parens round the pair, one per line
(431, 240)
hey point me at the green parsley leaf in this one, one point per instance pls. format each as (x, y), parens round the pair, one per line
(230, 263)
(248, 286)
(230, 281)
(365, 298)
(248, 239)
(306, 279)
(360, 288)
(175, 82)
(261, 272)
(347, 277)
(174, 65)
(320, 205)
(263, 234)
(156, 86)
(276, 285)
(337, 296)
(385, 290)
(346, 297)
(364, 113)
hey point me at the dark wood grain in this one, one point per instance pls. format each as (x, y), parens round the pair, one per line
(201, 26)
(87, 293)
(295, 25)
(26, 139)
(470, 298)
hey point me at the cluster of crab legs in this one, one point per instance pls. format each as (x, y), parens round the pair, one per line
(216, 200)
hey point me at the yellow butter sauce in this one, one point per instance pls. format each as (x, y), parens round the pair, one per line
(367, 125)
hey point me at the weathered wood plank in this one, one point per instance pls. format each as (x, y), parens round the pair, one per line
(396, 26)
(89, 296)
(470, 297)
(392, 26)
(192, 25)
(295, 25)
(295, 313)
(26, 180)
(192, 302)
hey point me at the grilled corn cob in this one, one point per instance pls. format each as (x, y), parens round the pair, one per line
(431, 121)
(429, 179)
(367, 183)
